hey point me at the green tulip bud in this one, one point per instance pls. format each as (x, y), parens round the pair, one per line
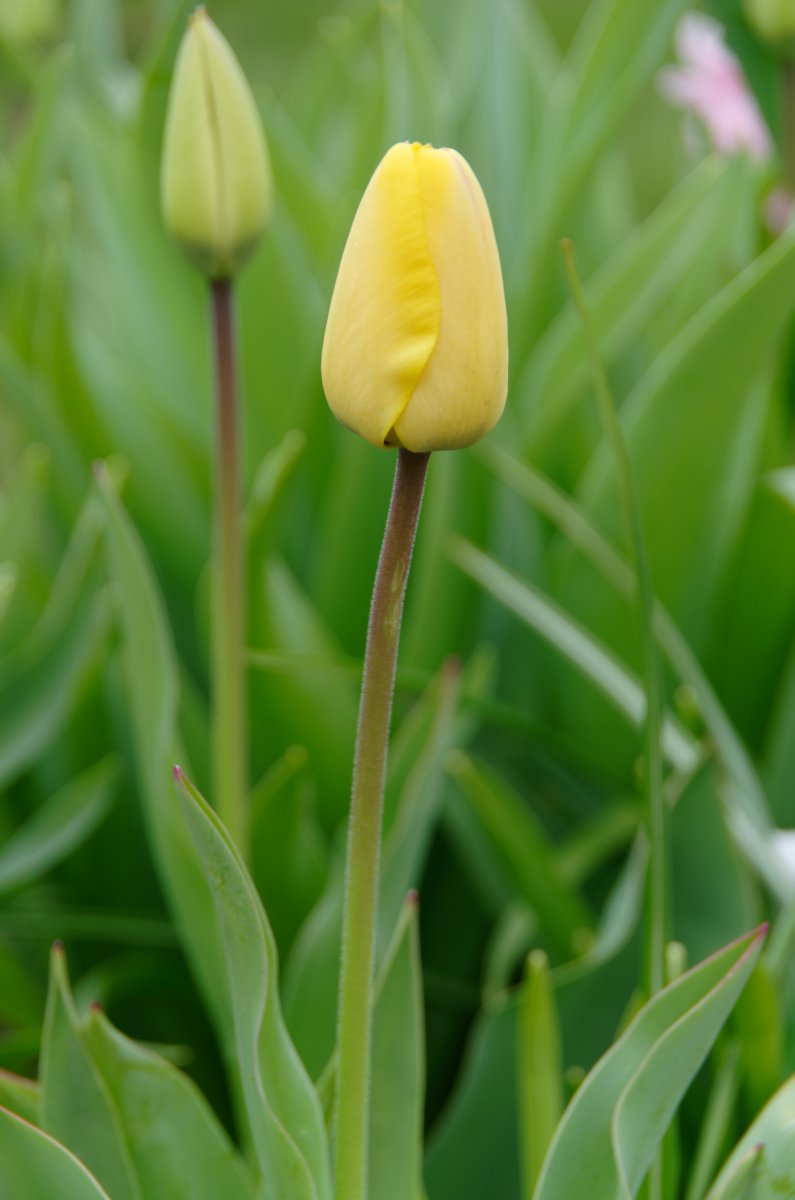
(215, 177)
(774, 22)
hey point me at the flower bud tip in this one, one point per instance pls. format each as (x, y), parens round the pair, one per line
(215, 177)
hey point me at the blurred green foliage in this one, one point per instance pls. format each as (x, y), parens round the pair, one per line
(528, 834)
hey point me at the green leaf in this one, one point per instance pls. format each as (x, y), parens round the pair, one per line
(617, 47)
(42, 676)
(764, 1155)
(139, 1123)
(746, 800)
(626, 293)
(523, 845)
(398, 1080)
(75, 1105)
(151, 685)
(289, 851)
(33, 1165)
(21, 1096)
(176, 1143)
(21, 505)
(618, 1117)
(740, 1183)
(574, 642)
(311, 709)
(540, 1068)
(282, 1108)
(58, 826)
(474, 1150)
(693, 427)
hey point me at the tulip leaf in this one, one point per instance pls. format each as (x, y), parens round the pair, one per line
(75, 1106)
(398, 1082)
(765, 1155)
(58, 826)
(625, 294)
(42, 675)
(613, 1127)
(176, 1143)
(582, 533)
(21, 505)
(740, 1183)
(475, 1147)
(474, 1151)
(540, 1068)
(33, 1165)
(575, 643)
(693, 427)
(21, 1097)
(151, 684)
(522, 844)
(318, 711)
(282, 1108)
(140, 1124)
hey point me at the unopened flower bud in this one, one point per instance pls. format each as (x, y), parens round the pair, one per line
(215, 179)
(416, 345)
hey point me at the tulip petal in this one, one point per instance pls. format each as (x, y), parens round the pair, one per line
(189, 207)
(385, 313)
(461, 394)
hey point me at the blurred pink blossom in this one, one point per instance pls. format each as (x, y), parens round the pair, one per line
(710, 83)
(779, 210)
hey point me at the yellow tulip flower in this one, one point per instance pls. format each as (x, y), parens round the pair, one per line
(215, 178)
(416, 345)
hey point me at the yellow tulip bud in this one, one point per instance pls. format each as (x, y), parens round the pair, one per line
(215, 178)
(774, 21)
(416, 345)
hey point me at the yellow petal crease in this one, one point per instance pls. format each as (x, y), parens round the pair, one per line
(461, 394)
(385, 312)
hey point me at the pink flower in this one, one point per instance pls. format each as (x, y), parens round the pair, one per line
(711, 84)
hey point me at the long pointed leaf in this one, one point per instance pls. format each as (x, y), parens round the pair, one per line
(282, 1107)
(613, 1127)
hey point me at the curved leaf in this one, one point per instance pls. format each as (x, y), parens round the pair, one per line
(176, 1143)
(33, 1165)
(764, 1158)
(617, 1119)
(75, 1105)
(398, 1083)
(282, 1107)
(58, 826)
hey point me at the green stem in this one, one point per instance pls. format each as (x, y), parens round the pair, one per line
(354, 1033)
(229, 707)
(657, 918)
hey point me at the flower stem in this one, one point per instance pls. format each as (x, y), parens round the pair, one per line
(364, 828)
(229, 739)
